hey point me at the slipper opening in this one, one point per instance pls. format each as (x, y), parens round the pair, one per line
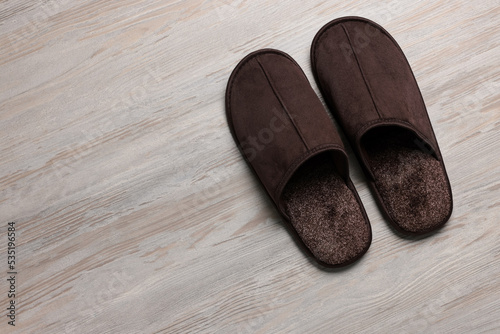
(325, 212)
(410, 180)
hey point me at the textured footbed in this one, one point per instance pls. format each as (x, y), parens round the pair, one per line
(325, 213)
(411, 183)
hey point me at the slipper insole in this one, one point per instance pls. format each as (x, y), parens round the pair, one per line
(411, 183)
(325, 212)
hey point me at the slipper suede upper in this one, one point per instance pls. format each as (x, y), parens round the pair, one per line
(278, 120)
(369, 86)
(290, 142)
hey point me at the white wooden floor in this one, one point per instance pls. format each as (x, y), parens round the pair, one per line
(135, 212)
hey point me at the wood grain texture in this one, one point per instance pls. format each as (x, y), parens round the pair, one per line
(137, 214)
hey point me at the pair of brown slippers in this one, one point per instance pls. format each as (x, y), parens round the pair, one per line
(287, 138)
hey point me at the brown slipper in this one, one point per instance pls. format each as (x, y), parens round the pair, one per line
(370, 88)
(287, 138)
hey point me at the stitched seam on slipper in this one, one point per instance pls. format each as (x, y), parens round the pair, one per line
(232, 81)
(326, 29)
(234, 76)
(239, 67)
(361, 69)
(268, 78)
